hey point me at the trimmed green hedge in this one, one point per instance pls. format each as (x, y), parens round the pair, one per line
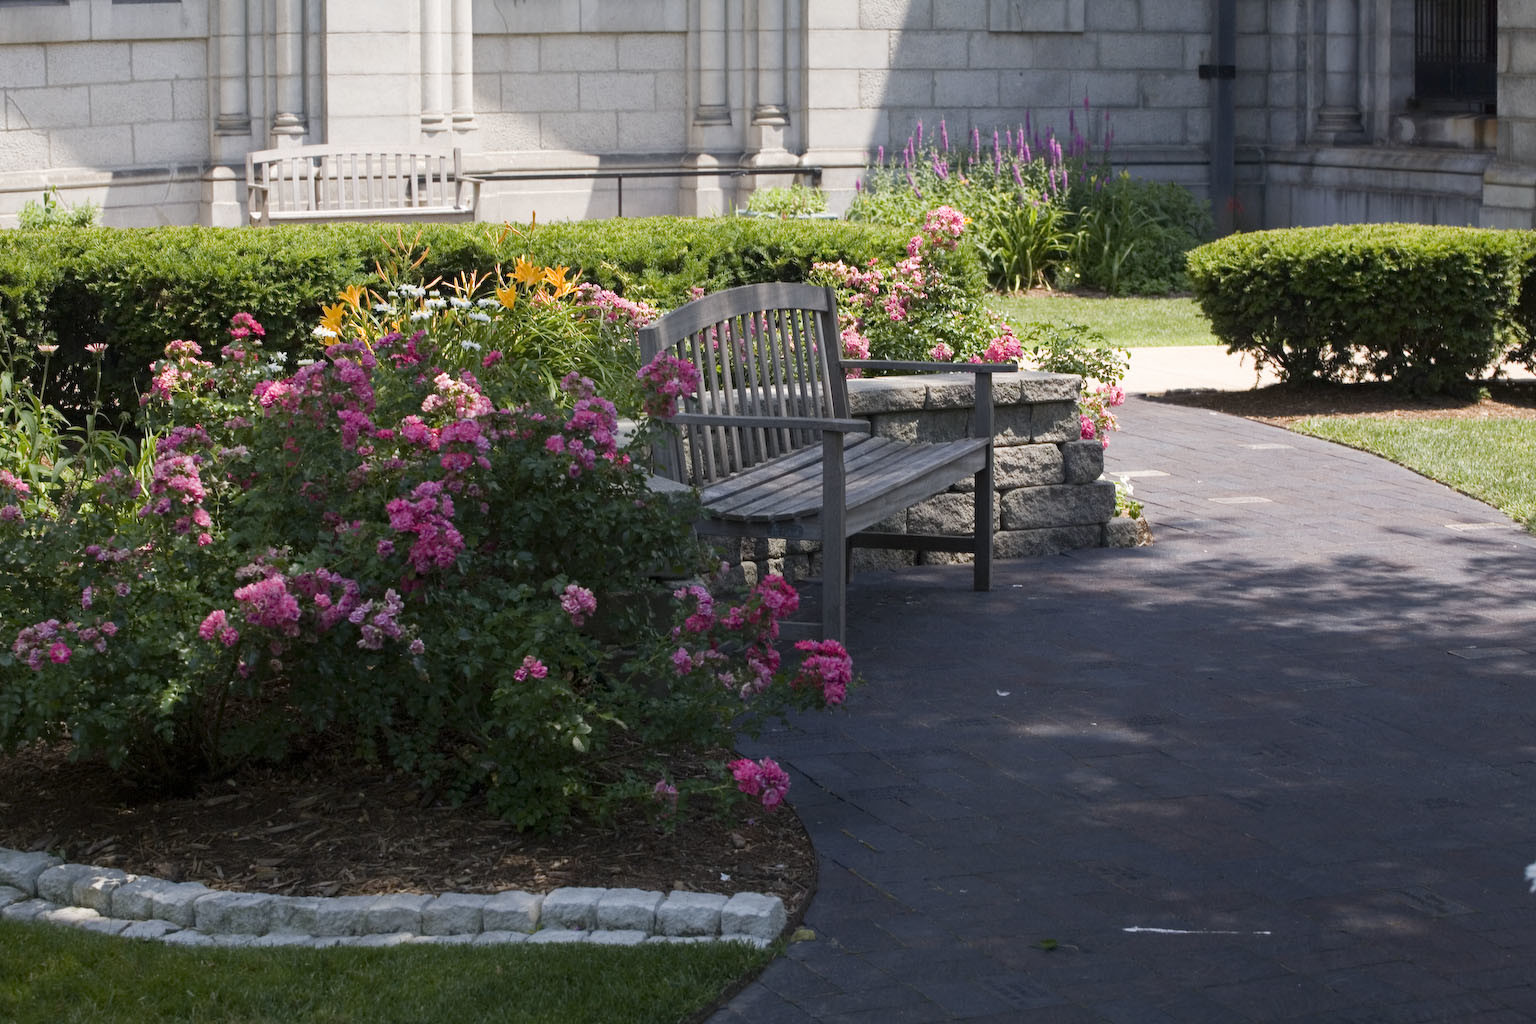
(137, 289)
(1426, 308)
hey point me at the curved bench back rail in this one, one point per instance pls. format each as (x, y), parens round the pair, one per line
(770, 445)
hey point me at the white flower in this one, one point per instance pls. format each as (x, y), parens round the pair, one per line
(481, 317)
(383, 307)
(422, 314)
(324, 332)
(436, 304)
(487, 303)
(459, 303)
(473, 346)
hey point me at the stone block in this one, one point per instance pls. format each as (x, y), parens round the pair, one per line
(512, 911)
(935, 425)
(95, 890)
(134, 899)
(1036, 387)
(147, 929)
(22, 68)
(578, 53)
(628, 910)
(1033, 508)
(83, 63)
(186, 59)
(188, 937)
(650, 50)
(57, 884)
(678, 939)
(649, 132)
(177, 903)
(690, 913)
(10, 894)
(103, 925)
(296, 914)
(234, 913)
(617, 90)
(956, 88)
(458, 939)
(1028, 465)
(453, 913)
(130, 102)
(500, 938)
(571, 907)
(379, 939)
(835, 48)
(395, 912)
(951, 391)
(1082, 461)
(54, 107)
(22, 869)
(953, 513)
(166, 141)
(752, 914)
(71, 917)
(26, 910)
(885, 394)
(1055, 422)
(548, 935)
(1124, 532)
(102, 146)
(1013, 425)
(273, 939)
(342, 915)
(622, 937)
(1048, 541)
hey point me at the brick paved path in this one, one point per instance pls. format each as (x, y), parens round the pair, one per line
(1301, 726)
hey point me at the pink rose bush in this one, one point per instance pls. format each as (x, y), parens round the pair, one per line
(405, 543)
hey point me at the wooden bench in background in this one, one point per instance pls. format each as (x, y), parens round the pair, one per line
(319, 184)
(773, 452)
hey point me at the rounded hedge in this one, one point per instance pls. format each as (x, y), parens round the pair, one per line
(1427, 308)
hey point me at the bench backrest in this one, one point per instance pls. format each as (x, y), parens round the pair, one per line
(761, 350)
(330, 178)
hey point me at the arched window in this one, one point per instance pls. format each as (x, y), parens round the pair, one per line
(1455, 55)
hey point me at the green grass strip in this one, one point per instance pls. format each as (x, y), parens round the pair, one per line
(1490, 459)
(60, 975)
(1126, 322)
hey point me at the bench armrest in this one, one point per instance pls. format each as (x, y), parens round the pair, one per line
(825, 424)
(917, 366)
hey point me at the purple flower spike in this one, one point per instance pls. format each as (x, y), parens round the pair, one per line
(943, 135)
(975, 142)
(880, 156)
(919, 135)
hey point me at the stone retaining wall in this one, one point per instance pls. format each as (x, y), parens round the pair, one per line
(1050, 496)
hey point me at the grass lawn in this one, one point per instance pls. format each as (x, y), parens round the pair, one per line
(61, 975)
(1127, 322)
(1488, 458)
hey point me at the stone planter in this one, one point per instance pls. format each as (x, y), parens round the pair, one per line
(1050, 493)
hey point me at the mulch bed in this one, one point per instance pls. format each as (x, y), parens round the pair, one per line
(327, 828)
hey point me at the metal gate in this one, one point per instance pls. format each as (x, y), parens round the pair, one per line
(1455, 53)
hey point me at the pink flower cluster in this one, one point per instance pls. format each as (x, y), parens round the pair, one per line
(763, 779)
(48, 641)
(1094, 418)
(178, 371)
(1004, 348)
(756, 620)
(826, 666)
(943, 226)
(531, 668)
(10, 512)
(216, 627)
(269, 604)
(663, 381)
(591, 433)
(615, 308)
(428, 514)
(176, 482)
(578, 603)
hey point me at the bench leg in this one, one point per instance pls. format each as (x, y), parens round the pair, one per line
(834, 536)
(982, 578)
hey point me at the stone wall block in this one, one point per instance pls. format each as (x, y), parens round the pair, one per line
(1014, 424)
(293, 915)
(395, 912)
(57, 884)
(177, 903)
(951, 391)
(953, 513)
(628, 910)
(95, 890)
(884, 394)
(1033, 508)
(1083, 461)
(690, 913)
(512, 911)
(1125, 532)
(1028, 465)
(235, 913)
(454, 913)
(342, 915)
(1055, 422)
(26, 910)
(754, 915)
(22, 869)
(1048, 541)
(875, 559)
(1035, 387)
(10, 894)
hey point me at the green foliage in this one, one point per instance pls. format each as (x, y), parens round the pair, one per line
(1043, 214)
(52, 212)
(138, 288)
(1426, 308)
(795, 200)
(51, 975)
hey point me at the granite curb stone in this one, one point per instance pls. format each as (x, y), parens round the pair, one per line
(38, 887)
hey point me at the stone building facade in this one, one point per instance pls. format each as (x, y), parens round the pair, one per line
(1281, 111)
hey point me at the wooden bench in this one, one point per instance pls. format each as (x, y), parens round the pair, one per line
(317, 184)
(773, 452)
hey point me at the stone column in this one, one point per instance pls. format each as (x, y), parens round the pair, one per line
(288, 124)
(712, 145)
(1339, 117)
(765, 133)
(463, 65)
(234, 116)
(434, 96)
(1509, 183)
(712, 93)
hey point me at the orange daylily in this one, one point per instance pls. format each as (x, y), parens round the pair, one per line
(332, 316)
(555, 276)
(506, 295)
(527, 274)
(353, 295)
